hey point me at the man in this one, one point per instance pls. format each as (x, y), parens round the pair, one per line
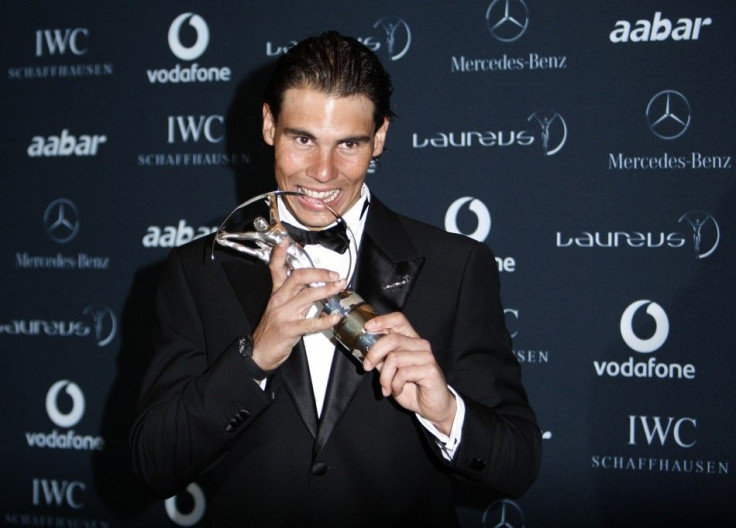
(247, 396)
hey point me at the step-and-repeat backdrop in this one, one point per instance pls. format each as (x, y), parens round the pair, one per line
(591, 144)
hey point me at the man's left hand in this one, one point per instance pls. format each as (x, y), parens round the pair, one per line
(408, 370)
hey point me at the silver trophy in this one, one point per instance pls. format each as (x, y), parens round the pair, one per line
(353, 310)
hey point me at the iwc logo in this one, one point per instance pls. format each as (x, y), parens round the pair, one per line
(668, 114)
(507, 20)
(61, 219)
(483, 218)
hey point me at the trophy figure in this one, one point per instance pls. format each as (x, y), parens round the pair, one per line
(353, 310)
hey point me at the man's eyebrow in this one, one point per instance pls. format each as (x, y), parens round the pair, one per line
(356, 139)
(299, 132)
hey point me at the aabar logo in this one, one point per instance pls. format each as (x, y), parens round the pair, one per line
(65, 144)
(174, 236)
(658, 29)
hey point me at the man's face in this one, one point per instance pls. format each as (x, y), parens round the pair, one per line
(322, 145)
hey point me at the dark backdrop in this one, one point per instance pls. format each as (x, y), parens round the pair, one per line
(590, 144)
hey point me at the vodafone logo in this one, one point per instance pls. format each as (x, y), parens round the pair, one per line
(483, 227)
(71, 418)
(195, 515)
(661, 332)
(192, 52)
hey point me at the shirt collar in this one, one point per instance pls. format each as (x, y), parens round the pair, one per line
(354, 218)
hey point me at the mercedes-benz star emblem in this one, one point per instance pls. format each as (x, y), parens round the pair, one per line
(668, 114)
(504, 514)
(507, 20)
(61, 220)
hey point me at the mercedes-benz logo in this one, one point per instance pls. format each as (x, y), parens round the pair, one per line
(61, 219)
(668, 114)
(503, 514)
(507, 20)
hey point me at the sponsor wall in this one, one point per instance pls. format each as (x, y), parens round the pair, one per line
(591, 145)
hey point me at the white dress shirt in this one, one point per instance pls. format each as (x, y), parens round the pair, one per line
(320, 347)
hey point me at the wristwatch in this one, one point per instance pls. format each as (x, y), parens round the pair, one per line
(245, 349)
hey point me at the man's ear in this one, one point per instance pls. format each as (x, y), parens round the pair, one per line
(380, 138)
(269, 125)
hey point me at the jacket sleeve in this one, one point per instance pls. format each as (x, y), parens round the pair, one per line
(191, 407)
(501, 443)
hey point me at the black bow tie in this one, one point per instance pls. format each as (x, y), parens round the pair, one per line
(334, 238)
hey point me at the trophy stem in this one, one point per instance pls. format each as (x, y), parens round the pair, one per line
(350, 331)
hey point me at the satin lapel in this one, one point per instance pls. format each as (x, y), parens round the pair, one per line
(385, 273)
(295, 375)
(251, 282)
(345, 378)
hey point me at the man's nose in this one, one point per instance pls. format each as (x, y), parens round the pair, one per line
(323, 166)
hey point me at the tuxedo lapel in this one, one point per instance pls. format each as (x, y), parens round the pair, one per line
(384, 275)
(251, 282)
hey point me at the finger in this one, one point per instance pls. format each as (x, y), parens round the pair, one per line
(394, 322)
(396, 369)
(393, 342)
(277, 264)
(312, 325)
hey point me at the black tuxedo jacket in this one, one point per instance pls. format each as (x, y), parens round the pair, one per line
(263, 458)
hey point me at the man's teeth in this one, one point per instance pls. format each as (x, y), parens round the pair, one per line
(325, 196)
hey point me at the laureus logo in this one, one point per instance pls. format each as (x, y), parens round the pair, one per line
(483, 218)
(553, 130)
(397, 34)
(705, 232)
(105, 323)
(199, 46)
(72, 417)
(661, 323)
(192, 517)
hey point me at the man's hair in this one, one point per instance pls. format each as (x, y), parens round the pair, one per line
(334, 65)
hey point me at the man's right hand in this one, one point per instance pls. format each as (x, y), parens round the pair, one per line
(285, 320)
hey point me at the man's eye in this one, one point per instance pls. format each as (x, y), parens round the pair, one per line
(350, 144)
(302, 140)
